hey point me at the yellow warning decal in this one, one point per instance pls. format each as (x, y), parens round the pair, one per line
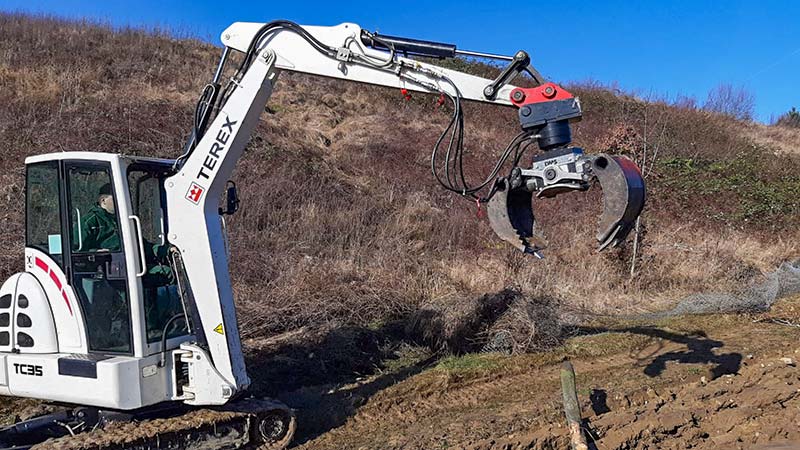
(220, 330)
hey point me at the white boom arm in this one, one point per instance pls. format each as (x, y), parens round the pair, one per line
(295, 54)
(193, 194)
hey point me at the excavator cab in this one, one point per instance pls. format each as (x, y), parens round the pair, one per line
(92, 309)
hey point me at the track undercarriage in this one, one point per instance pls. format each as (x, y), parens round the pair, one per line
(248, 423)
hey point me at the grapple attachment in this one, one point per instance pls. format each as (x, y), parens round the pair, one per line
(511, 217)
(510, 208)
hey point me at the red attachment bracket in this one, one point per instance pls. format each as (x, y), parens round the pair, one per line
(540, 94)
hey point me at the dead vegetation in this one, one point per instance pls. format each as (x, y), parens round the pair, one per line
(506, 322)
(341, 220)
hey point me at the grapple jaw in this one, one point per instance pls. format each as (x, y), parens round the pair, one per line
(623, 197)
(511, 217)
(510, 208)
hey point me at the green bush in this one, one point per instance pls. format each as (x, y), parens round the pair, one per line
(790, 119)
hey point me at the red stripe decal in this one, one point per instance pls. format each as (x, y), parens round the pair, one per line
(42, 265)
(66, 299)
(54, 277)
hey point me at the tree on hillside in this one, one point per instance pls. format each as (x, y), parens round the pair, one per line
(736, 102)
(790, 119)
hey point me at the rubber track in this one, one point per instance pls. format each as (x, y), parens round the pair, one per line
(196, 430)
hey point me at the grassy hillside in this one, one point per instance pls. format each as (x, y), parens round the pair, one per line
(341, 219)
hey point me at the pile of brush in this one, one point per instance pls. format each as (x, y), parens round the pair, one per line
(507, 322)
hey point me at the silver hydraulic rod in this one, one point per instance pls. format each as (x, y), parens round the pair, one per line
(484, 55)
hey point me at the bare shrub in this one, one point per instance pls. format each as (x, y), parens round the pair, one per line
(457, 323)
(530, 324)
(685, 102)
(623, 140)
(736, 102)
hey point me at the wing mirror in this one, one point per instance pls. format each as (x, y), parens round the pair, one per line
(231, 200)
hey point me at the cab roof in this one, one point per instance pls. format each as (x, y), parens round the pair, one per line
(95, 156)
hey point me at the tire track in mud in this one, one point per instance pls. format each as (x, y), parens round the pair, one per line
(477, 392)
(535, 405)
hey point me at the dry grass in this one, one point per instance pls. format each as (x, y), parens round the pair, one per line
(341, 219)
(783, 140)
(528, 325)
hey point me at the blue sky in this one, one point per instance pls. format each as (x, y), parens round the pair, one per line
(652, 48)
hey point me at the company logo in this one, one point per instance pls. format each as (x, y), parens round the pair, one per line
(215, 153)
(28, 369)
(195, 193)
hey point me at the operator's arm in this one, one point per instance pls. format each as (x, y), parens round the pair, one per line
(89, 229)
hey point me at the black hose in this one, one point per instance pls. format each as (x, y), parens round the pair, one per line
(163, 361)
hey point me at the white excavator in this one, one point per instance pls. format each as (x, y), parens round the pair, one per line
(124, 310)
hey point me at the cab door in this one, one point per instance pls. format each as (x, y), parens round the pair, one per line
(97, 257)
(162, 306)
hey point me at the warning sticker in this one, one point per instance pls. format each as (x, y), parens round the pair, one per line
(219, 330)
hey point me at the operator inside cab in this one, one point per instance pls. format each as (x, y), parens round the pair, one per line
(100, 233)
(99, 227)
(104, 295)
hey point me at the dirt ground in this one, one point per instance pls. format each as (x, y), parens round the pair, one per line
(703, 382)
(700, 382)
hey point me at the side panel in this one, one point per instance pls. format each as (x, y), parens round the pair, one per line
(3, 372)
(64, 304)
(7, 291)
(106, 382)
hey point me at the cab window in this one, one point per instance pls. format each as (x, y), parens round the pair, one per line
(43, 210)
(162, 300)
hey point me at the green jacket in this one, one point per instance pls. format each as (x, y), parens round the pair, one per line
(99, 231)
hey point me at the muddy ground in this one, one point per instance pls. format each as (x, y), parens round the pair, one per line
(701, 382)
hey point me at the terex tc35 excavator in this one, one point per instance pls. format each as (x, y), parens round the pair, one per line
(131, 323)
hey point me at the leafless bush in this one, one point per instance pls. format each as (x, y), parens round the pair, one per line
(530, 324)
(457, 323)
(790, 120)
(736, 102)
(685, 102)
